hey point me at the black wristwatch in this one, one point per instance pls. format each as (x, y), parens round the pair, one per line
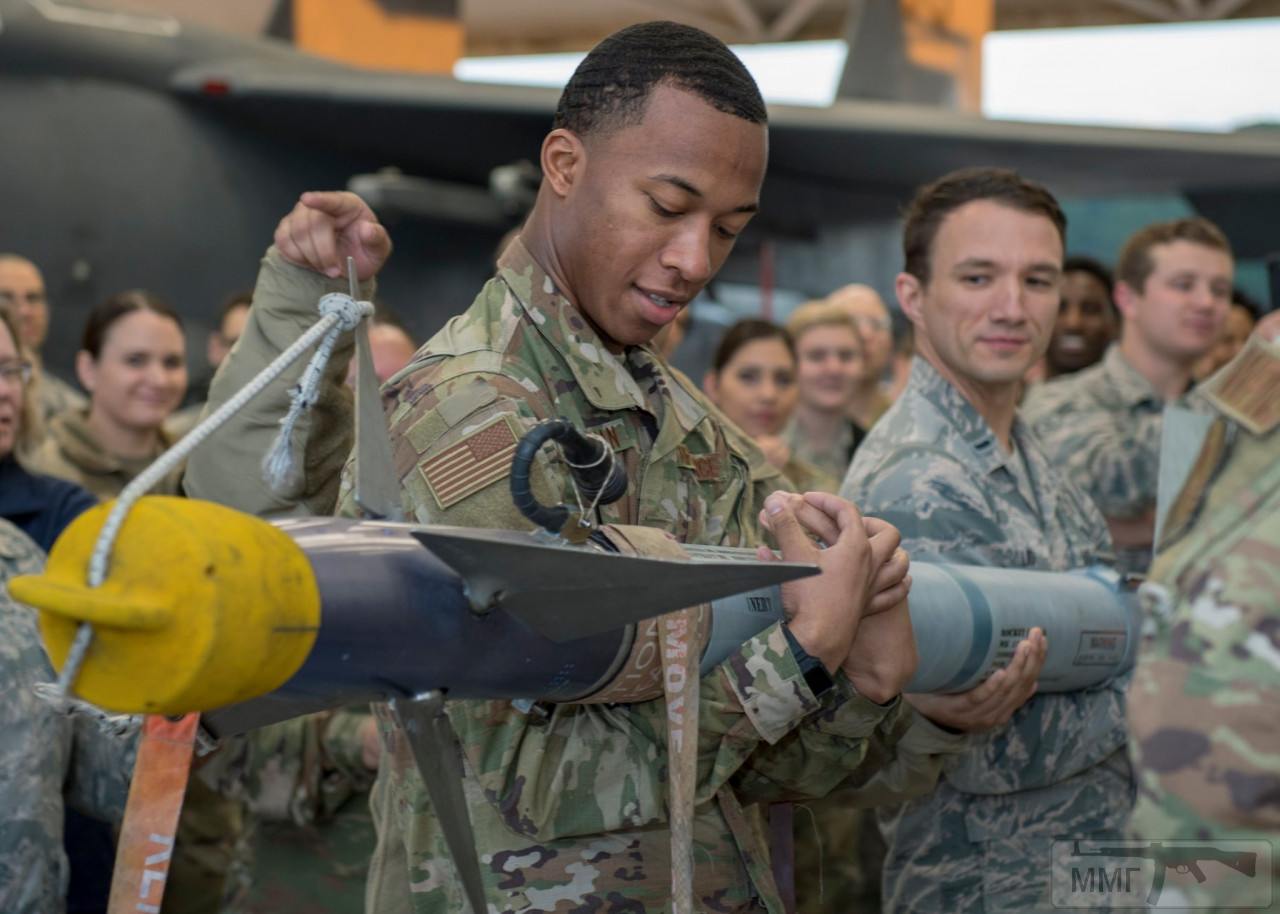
(811, 668)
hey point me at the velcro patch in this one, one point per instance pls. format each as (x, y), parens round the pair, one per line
(1246, 388)
(617, 433)
(477, 460)
(706, 467)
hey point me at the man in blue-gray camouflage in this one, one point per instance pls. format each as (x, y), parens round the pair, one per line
(952, 466)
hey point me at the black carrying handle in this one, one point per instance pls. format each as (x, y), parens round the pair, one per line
(595, 471)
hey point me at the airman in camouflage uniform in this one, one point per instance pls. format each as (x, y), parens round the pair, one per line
(46, 756)
(1103, 424)
(953, 466)
(1202, 707)
(602, 837)
(569, 809)
(521, 353)
(981, 841)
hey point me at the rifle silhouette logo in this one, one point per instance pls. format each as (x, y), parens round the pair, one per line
(1182, 858)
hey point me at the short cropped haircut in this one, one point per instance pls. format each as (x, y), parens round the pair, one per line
(1135, 263)
(819, 313)
(1078, 263)
(610, 88)
(748, 330)
(934, 202)
(1242, 299)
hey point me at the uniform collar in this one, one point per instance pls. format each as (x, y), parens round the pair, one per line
(986, 454)
(601, 375)
(973, 429)
(608, 381)
(1124, 382)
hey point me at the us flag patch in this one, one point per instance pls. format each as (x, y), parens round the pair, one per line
(478, 460)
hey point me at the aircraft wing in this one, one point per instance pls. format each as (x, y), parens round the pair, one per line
(851, 159)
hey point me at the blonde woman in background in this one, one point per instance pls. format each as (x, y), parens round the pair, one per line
(830, 360)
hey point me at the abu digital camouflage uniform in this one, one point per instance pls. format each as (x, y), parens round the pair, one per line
(933, 467)
(570, 811)
(1102, 425)
(46, 756)
(209, 873)
(1205, 693)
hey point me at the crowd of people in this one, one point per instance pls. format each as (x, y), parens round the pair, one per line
(1015, 423)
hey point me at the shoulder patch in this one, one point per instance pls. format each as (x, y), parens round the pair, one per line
(1245, 389)
(478, 460)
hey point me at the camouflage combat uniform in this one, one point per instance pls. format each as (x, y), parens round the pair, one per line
(833, 461)
(1102, 425)
(982, 841)
(71, 450)
(45, 755)
(569, 811)
(1203, 704)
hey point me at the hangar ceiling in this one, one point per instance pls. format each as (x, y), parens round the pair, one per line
(522, 26)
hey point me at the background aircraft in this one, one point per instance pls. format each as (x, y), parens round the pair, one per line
(143, 151)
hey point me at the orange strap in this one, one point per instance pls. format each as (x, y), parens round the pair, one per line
(151, 815)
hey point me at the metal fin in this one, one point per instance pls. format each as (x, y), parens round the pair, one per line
(435, 749)
(376, 490)
(566, 593)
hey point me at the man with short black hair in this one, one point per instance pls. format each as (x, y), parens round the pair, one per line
(1103, 424)
(653, 168)
(955, 469)
(1087, 318)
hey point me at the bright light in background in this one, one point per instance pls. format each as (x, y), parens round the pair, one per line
(794, 73)
(1193, 76)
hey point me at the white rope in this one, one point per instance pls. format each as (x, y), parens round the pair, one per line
(341, 312)
(279, 467)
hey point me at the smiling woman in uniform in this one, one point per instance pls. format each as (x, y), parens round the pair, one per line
(132, 360)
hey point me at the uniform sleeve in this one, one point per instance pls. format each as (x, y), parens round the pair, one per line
(228, 468)
(585, 769)
(1112, 456)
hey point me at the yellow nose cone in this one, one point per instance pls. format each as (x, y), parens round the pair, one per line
(203, 606)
